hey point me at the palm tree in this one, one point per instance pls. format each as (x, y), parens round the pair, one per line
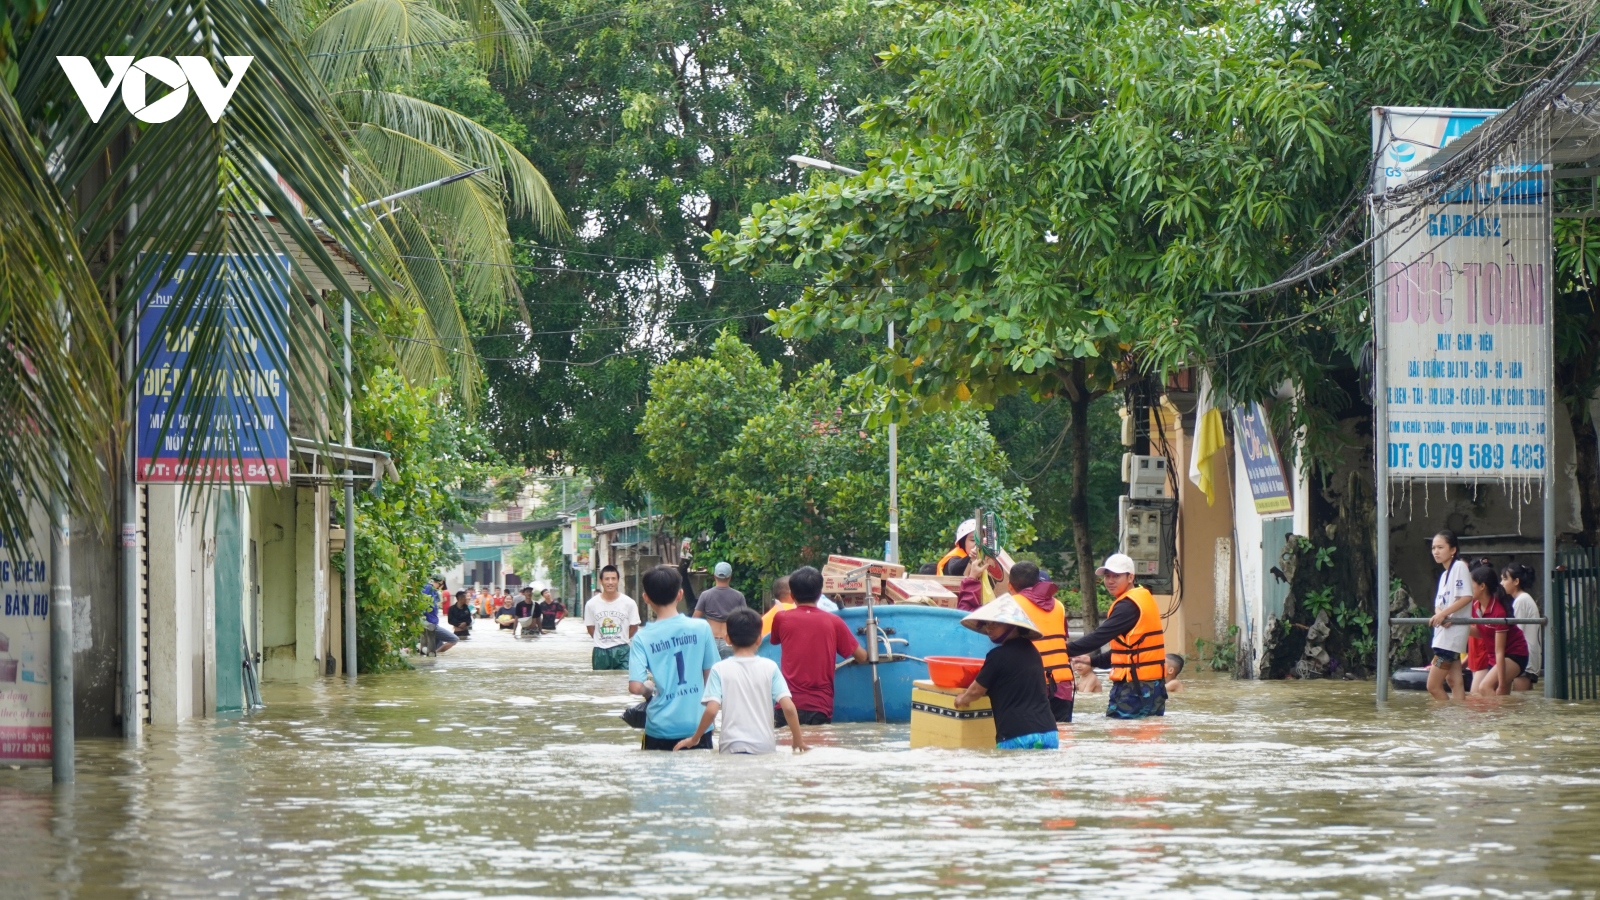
(369, 54)
(244, 188)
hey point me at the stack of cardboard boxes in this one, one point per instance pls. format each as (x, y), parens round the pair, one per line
(847, 580)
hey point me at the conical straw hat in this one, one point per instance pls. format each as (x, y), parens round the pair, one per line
(1005, 610)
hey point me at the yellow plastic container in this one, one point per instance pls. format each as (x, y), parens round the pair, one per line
(935, 721)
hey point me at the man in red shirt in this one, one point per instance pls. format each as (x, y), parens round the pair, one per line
(812, 640)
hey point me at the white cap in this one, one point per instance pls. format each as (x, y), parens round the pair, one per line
(966, 528)
(1116, 563)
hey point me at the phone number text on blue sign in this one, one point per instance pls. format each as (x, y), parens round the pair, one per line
(1487, 458)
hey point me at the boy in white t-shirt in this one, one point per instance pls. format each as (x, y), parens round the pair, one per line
(745, 687)
(612, 618)
(1451, 597)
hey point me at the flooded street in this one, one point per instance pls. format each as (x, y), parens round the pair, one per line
(503, 770)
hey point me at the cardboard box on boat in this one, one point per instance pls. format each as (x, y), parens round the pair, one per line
(935, 721)
(880, 568)
(836, 586)
(950, 583)
(919, 591)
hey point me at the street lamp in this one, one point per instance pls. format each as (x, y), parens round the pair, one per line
(893, 550)
(811, 162)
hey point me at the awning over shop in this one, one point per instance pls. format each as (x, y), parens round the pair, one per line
(317, 463)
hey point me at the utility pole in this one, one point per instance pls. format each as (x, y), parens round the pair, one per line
(349, 514)
(892, 549)
(62, 725)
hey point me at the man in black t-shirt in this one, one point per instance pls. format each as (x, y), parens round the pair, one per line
(546, 610)
(460, 615)
(1012, 678)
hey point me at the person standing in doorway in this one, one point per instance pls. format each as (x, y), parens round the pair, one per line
(669, 664)
(716, 603)
(812, 642)
(1138, 650)
(1452, 596)
(612, 618)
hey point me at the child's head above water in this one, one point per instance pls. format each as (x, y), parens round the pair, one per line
(1174, 666)
(744, 627)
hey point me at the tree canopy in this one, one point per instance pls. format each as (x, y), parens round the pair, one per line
(774, 476)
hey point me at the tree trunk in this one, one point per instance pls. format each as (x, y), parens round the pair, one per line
(1078, 398)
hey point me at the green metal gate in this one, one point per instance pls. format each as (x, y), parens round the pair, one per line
(1575, 590)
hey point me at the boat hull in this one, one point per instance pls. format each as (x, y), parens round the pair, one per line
(929, 631)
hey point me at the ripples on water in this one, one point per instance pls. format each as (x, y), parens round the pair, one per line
(503, 770)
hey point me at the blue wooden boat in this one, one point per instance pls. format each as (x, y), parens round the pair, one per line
(920, 631)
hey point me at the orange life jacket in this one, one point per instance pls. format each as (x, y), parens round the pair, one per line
(1053, 646)
(955, 553)
(1141, 653)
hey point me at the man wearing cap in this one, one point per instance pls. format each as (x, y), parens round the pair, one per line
(716, 603)
(962, 549)
(1138, 651)
(1012, 678)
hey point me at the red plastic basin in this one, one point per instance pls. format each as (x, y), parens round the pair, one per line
(953, 671)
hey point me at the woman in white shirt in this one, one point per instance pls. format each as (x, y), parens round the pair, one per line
(1449, 641)
(1516, 579)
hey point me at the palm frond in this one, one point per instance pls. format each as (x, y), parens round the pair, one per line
(447, 129)
(391, 36)
(467, 215)
(506, 33)
(243, 189)
(57, 381)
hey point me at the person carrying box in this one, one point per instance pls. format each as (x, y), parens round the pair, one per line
(1012, 678)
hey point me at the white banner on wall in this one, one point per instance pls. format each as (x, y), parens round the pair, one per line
(1463, 300)
(25, 733)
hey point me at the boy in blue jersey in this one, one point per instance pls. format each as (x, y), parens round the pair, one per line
(678, 652)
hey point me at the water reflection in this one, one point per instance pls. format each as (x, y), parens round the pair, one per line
(503, 770)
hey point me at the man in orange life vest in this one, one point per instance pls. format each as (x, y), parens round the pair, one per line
(1138, 652)
(1037, 598)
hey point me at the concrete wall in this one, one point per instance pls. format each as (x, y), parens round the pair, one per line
(177, 606)
(96, 628)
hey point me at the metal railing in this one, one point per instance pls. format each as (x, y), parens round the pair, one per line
(1572, 656)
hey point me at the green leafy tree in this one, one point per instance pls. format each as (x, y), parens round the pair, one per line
(780, 476)
(384, 62)
(1065, 183)
(656, 124)
(403, 527)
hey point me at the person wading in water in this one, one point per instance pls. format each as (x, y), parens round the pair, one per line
(1138, 657)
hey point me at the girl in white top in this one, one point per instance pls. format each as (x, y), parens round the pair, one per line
(1516, 579)
(1449, 641)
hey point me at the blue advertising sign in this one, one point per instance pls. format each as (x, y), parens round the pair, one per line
(1262, 466)
(245, 436)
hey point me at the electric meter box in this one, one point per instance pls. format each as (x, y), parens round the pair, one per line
(1146, 477)
(1147, 531)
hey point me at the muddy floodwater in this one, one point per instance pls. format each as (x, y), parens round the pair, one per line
(503, 770)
